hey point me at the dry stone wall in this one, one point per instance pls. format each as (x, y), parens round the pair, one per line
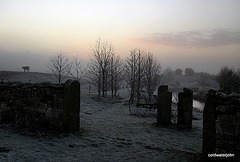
(221, 126)
(40, 105)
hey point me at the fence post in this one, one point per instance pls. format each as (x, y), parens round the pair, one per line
(164, 105)
(209, 130)
(185, 106)
(71, 117)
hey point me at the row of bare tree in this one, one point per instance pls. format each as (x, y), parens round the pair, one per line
(104, 69)
(108, 72)
(142, 70)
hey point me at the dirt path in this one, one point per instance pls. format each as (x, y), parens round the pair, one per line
(109, 134)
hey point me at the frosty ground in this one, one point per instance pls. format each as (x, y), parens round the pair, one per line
(108, 133)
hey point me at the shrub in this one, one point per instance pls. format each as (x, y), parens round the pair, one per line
(228, 80)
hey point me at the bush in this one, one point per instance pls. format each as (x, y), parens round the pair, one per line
(178, 71)
(189, 71)
(228, 80)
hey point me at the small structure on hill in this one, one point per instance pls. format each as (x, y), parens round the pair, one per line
(25, 68)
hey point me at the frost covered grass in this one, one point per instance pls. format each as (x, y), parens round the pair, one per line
(108, 133)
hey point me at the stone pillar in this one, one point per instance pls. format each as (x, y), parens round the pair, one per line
(185, 106)
(209, 130)
(164, 105)
(71, 111)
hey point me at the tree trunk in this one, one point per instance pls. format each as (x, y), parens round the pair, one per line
(115, 88)
(103, 83)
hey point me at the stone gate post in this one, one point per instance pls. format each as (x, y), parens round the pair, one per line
(71, 112)
(164, 105)
(209, 128)
(185, 107)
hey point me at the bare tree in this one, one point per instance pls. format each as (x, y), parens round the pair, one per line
(118, 75)
(178, 71)
(189, 72)
(116, 70)
(112, 73)
(203, 80)
(60, 66)
(130, 72)
(152, 71)
(140, 71)
(169, 75)
(134, 71)
(100, 59)
(94, 74)
(77, 68)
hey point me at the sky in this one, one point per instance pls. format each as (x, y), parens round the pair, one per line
(200, 34)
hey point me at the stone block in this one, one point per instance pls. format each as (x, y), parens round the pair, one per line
(185, 107)
(164, 105)
(71, 116)
(209, 128)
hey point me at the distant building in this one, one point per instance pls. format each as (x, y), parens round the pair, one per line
(25, 68)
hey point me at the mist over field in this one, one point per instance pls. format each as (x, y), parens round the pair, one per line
(201, 35)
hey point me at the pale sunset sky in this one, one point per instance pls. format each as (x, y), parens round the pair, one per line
(201, 34)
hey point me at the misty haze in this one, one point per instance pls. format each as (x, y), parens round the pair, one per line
(119, 81)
